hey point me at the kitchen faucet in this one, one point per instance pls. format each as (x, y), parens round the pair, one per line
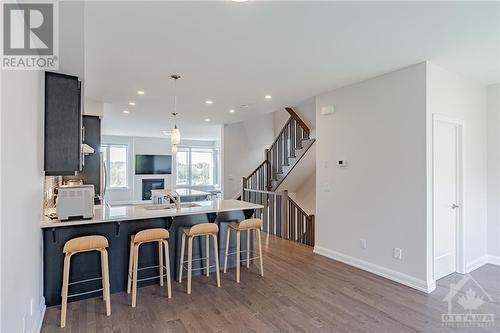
(175, 197)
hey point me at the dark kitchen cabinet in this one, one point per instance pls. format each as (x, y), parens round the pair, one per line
(62, 151)
(91, 171)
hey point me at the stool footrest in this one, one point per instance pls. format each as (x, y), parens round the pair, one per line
(196, 259)
(198, 269)
(149, 267)
(149, 278)
(85, 293)
(87, 280)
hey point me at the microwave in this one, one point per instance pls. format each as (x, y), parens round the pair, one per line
(75, 202)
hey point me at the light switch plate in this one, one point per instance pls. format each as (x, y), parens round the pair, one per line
(362, 243)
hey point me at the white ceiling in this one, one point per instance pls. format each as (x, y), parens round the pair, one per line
(235, 53)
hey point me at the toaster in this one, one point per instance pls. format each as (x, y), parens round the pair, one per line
(75, 202)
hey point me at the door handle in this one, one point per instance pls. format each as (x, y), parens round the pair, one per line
(454, 206)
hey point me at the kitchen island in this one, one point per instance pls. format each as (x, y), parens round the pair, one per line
(117, 224)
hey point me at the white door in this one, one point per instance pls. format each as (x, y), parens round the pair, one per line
(447, 155)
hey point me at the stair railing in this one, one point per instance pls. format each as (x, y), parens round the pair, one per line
(279, 153)
(281, 216)
(300, 224)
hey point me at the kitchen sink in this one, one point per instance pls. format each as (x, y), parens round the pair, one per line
(170, 206)
(189, 205)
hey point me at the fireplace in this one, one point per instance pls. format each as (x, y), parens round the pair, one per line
(151, 184)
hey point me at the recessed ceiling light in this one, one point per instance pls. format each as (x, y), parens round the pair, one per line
(239, 0)
(140, 92)
(208, 101)
(131, 103)
(231, 111)
(126, 111)
(268, 97)
(207, 120)
(167, 133)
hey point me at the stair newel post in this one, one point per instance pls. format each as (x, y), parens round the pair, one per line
(268, 169)
(243, 184)
(284, 214)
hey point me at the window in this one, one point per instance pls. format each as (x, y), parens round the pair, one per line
(197, 167)
(116, 162)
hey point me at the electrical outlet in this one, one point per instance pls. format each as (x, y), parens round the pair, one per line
(397, 253)
(362, 243)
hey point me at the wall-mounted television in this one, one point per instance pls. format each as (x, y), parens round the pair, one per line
(153, 164)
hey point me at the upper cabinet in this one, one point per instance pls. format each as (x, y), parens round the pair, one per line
(63, 139)
(91, 171)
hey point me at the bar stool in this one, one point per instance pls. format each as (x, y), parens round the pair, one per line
(85, 244)
(159, 235)
(246, 225)
(202, 229)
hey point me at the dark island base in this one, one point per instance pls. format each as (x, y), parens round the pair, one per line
(87, 265)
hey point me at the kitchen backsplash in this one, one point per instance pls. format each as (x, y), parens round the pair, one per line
(49, 197)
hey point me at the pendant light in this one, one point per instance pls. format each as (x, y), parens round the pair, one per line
(175, 136)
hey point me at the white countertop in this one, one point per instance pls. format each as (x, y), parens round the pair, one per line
(183, 192)
(104, 213)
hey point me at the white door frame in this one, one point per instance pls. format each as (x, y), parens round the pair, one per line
(460, 230)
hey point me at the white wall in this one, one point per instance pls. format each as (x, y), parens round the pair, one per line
(244, 145)
(306, 194)
(450, 95)
(280, 117)
(493, 94)
(22, 190)
(380, 128)
(71, 38)
(93, 107)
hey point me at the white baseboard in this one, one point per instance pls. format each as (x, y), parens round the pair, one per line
(494, 260)
(37, 323)
(476, 263)
(407, 280)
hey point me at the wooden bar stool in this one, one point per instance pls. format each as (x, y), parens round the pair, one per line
(202, 229)
(85, 244)
(248, 226)
(146, 236)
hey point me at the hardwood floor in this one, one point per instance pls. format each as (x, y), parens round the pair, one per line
(300, 292)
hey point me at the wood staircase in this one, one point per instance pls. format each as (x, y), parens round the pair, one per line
(282, 216)
(288, 148)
